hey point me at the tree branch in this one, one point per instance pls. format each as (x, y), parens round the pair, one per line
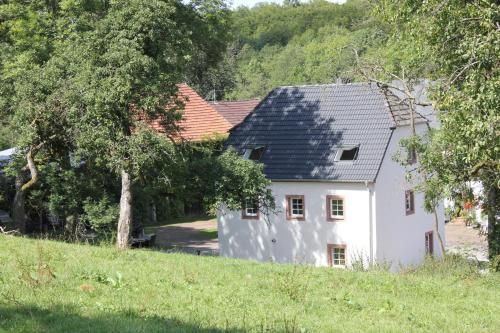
(33, 171)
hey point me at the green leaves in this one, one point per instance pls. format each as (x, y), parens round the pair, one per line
(307, 44)
(462, 41)
(239, 179)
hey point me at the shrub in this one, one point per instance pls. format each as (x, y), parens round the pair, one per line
(101, 216)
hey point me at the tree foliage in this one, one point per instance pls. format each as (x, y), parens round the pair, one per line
(458, 44)
(300, 43)
(78, 97)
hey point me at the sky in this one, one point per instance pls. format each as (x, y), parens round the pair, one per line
(251, 3)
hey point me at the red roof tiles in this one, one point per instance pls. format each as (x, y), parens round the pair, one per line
(199, 119)
(235, 111)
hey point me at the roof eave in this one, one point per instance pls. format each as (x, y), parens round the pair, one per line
(322, 181)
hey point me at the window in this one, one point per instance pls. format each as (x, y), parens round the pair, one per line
(336, 255)
(409, 202)
(335, 208)
(254, 154)
(347, 153)
(250, 209)
(295, 207)
(429, 243)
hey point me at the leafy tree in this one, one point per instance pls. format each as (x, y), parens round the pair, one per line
(30, 34)
(79, 105)
(294, 44)
(239, 179)
(466, 147)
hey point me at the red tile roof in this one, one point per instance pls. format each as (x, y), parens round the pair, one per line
(235, 111)
(199, 119)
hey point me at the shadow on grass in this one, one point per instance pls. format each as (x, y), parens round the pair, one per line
(69, 319)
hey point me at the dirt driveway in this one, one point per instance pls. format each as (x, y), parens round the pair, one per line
(466, 241)
(198, 237)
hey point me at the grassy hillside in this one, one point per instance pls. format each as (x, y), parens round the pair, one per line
(47, 286)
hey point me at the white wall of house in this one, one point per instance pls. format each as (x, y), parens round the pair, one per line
(400, 238)
(306, 241)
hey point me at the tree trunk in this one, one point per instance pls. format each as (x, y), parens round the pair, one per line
(493, 224)
(125, 220)
(18, 212)
(436, 228)
(152, 213)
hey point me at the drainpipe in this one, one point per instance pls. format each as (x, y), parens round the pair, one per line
(370, 220)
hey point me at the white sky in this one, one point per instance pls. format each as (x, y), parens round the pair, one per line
(251, 3)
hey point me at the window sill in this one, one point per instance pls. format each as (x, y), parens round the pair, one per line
(295, 218)
(335, 219)
(250, 217)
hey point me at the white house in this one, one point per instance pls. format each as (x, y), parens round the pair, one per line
(341, 198)
(5, 157)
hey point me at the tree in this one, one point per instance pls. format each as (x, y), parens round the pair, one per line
(99, 67)
(237, 179)
(293, 45)
(395, 76)
(128, 68)
(83, 104)
(31, 87)
(467, 145)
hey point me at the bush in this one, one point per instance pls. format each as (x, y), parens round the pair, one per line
(101, 216)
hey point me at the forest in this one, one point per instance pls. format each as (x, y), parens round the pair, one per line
(293, 44)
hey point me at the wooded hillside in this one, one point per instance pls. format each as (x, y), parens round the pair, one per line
(294, 43)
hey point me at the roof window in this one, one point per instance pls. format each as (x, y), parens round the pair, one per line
(347, 153)
(254, 154)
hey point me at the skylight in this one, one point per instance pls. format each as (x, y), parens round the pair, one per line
(254, 154)
(347, 153)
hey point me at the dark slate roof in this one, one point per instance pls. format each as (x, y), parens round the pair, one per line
(302, 128)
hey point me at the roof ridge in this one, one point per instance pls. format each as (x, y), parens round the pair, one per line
(239, 100)
(327, 85)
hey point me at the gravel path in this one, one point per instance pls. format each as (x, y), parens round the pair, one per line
(466, 241)
(186, 237)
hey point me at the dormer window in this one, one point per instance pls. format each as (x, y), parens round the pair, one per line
(254, 154)
(347, 153)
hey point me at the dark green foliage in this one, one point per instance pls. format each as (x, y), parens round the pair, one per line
(238, 179)
(198, 178)
(101, 216)
(220, 179)
(7, 135)
(295, 44)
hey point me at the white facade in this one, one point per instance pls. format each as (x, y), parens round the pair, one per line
(375, 227)
(400, 238)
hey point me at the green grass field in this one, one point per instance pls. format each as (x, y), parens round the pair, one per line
(47, 286)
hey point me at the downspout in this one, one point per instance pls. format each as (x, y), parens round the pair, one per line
(372, 226)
